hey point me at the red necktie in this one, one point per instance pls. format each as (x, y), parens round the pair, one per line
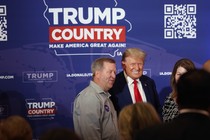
(136, 92)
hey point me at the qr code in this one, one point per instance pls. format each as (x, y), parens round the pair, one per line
(3, 23)
(179, 21)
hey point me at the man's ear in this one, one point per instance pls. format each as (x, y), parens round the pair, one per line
(123, 64)
(97, 74)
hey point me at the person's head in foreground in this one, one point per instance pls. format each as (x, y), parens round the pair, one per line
(193, 90)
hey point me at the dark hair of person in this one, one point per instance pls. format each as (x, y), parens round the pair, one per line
(193, 90)
(185, 63)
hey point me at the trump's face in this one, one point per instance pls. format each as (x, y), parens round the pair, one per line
(133, 66)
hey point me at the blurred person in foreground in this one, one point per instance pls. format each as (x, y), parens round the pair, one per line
(206, 65)
(123, 90)
(136, 117)
(59, 134)
(170, 107)
(193, 122)
(15, 128)
(94, 115)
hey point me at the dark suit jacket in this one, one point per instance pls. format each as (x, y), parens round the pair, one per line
(121, 96)
(187, 126)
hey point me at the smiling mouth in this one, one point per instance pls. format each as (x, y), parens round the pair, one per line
(135, 72)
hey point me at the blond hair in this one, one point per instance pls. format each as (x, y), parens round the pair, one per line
(136, 117)
(16, 128)
(134, 52)
(206, 65)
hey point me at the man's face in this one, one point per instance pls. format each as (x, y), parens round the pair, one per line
(107, 76)
(133, 67)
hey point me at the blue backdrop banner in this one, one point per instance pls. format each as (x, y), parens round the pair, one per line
(47, 47)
